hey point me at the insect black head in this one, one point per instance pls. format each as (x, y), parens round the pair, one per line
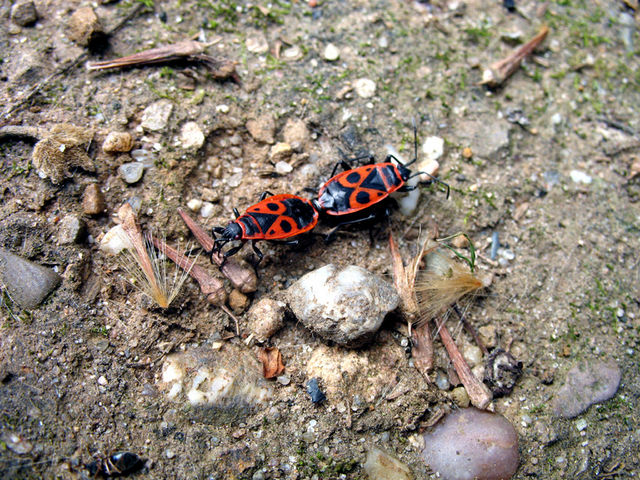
(233, 231)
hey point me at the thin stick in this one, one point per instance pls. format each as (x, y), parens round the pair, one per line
(499, 71)
(244, 279)
(479, 394)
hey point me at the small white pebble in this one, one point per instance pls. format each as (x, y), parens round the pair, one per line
(580, 177)
(282, 168)
(207, 209)
(331, 52)
(222, 108)
(194, 204)
(365, 87)
(102, 380)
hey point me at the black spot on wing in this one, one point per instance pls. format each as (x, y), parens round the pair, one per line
(286, 225)
(353, 178)
(363, 197)
(273, 206)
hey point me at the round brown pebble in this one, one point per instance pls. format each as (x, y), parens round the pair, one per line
(84, 27)
(460, 242)
(467, 152)
(460, 396)
(117, 142)
(238, 301)
(266, 317)
(92, 200)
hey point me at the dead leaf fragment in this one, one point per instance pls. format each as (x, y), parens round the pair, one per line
(271, 359)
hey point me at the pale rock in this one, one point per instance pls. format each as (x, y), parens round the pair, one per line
(191, 136)
(156, 116)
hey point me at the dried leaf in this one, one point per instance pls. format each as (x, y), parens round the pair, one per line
(271, 359)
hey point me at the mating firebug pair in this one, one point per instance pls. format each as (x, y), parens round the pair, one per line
(356, 194)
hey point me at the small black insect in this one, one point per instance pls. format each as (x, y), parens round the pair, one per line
(118, 464)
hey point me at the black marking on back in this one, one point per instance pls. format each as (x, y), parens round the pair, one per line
(264, 221)
(391, 176)
(251, 229)
(300, 212)
(374, 181)
(273, 206)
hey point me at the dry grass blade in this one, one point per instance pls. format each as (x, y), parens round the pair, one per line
(166, 53)
(422, 349)
(148, 269)
(188, 50)
(210, 286)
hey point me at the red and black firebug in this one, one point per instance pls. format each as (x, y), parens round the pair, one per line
(360, 192)
(275, 217)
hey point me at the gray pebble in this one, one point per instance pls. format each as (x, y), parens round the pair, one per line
(131, 172)
(345, 305)
(627, 29)
(28, 283)
(472, 444)
(24, 13)
(70, 230)
(586, 384)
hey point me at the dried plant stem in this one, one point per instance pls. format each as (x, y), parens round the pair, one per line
(154, 55)
(479, 394)
(471, 330)
(189, 50)
(499, 71)
(242, 278)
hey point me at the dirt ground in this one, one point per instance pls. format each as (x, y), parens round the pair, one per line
(551, 170)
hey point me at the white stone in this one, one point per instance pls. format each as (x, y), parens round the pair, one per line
(282, 168)
(580, 177)
(115, 240)
(331, 52)
(156, 116)
(191, 136)
(102, 380)
(433, 147)
(365, 87)
(207, 209)
(194, 204)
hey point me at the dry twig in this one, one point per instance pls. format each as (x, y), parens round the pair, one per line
(495, 75)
